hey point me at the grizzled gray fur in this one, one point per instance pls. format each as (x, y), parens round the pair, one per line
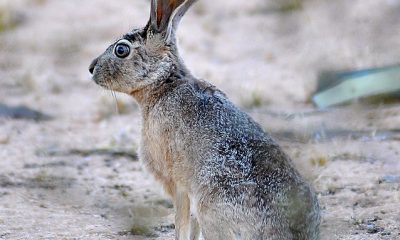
(227, 177)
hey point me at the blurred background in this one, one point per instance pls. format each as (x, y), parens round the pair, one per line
(68, 162)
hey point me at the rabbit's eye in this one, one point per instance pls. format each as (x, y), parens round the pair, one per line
(122, 50)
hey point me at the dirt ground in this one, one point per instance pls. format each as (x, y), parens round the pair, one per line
(75, 174)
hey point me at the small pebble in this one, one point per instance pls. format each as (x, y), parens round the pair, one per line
(372, 228)
(4, 139)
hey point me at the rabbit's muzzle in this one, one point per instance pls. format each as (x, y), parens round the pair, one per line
(95, 76)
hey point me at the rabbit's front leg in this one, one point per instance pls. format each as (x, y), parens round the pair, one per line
(182, 216)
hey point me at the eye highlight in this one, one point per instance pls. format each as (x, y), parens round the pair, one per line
(122, 49)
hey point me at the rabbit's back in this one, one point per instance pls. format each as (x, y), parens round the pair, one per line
(237, 176)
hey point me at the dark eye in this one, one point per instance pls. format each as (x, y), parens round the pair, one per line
(122, 50)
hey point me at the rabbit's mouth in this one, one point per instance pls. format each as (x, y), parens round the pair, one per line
(102, 82)
(97, 80)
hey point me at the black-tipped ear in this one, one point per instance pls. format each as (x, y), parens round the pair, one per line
(166, 14)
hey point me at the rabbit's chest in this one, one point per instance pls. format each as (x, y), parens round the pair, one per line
(158, 151)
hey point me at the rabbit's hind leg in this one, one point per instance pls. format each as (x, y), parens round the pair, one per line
(214, 231)
(214, 227)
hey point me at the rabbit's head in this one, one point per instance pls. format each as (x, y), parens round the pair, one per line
(143, 56)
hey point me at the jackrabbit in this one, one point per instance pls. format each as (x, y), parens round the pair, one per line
(227, 177)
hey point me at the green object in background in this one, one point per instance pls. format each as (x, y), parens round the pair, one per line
(343, 87)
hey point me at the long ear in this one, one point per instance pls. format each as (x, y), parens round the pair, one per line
(166, 14)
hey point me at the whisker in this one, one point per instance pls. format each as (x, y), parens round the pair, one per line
(116, 102)
(114, 95)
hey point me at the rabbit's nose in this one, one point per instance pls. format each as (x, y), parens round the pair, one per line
(93, 65)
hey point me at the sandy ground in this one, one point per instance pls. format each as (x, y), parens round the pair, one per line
(266, 55)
